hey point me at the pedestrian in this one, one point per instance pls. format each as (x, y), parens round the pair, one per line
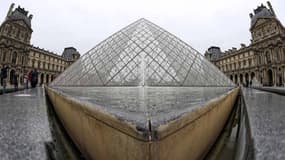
(30, 77)
(15, 81)
(1, 83)
(34, 79)
(4, 71)
(26, 83)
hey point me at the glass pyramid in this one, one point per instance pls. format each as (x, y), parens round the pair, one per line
(142, 54)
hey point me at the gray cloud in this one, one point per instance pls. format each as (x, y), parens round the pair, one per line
(83, 24)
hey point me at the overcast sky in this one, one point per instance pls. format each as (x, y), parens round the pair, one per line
(84, 23)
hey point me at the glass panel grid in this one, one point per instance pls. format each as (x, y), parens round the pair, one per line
(142, 54)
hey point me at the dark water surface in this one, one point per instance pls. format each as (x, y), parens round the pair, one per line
(140, 104)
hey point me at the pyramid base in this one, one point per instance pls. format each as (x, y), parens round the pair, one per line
(100, 136)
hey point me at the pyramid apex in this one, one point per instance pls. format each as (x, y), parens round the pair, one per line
(142, 20)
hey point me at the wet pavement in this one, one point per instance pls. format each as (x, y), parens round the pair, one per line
(278, 90)
(266, 112)
(10, 89)
(24, 127)
(140, 104)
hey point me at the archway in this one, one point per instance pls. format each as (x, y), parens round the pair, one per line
(42, 79)
(12, 74)
(52, 77)
(269, 77)
(232, 78)
(246, 79)
(280, 81)
(236, 79)
(252, 75)
(47, 78)
(241, 79)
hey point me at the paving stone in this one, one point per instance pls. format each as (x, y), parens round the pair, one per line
(266, 115)
(24, 125)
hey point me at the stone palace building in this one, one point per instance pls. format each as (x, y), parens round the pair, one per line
(263, 61)
(17, 52)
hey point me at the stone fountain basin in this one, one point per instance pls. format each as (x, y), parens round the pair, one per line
(143, 122)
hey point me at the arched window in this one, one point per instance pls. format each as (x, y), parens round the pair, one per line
(14, 57)
(267, 55)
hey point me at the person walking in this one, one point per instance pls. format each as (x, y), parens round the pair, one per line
(26, 82)
(4, 71)
(30, 77)
(34, 80)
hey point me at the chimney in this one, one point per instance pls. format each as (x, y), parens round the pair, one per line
(271, 9)
(10, 10)
(242, 45)
(250, 15)
(30, 17)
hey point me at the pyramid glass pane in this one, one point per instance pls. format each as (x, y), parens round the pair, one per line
(142, 54)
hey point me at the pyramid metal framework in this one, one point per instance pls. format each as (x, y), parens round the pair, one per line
(142, 54)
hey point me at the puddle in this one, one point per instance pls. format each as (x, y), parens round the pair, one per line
(23, 95)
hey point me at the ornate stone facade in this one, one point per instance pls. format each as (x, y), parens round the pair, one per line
(263, 61)
(21, 57)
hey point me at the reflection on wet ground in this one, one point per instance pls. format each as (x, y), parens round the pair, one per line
(266, 112)
(24, 127)
(29, 128)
